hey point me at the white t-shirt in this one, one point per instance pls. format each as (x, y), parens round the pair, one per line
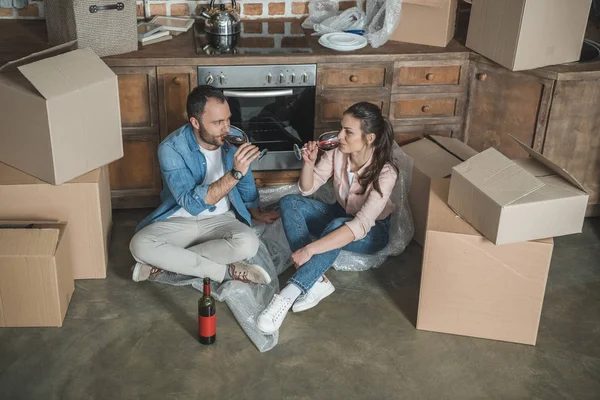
(214, 172)
(350, 179)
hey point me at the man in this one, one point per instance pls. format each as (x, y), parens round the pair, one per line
(202, 228)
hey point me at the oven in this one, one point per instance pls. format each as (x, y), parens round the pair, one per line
(273, 104)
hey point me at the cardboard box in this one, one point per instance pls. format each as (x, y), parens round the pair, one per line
(514, 201)
(471, 287)
(36, 279)
(83, 202)
(60, 114)
(428, 22)
(526, 34)
(433, 158)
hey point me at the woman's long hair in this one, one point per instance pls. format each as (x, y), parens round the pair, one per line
(372, 121)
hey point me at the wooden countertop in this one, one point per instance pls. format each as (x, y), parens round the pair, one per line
(23, 37)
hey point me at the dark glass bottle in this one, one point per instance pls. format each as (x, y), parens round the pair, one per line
(207, 316)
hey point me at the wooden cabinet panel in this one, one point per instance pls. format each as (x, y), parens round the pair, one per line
(404, 134)
(275, 178)
(135, 178)
(424, 108)
(503, 103)
(428, 75)
(137, 99)
(353, 77)
(331, 110)
(573, 134)
(174, 86)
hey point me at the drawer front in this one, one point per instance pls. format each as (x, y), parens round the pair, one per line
(353, 77)
(424, 108)
(332, 110)
(417, 76)
(403, 138)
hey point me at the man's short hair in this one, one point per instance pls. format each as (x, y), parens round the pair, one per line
(196, 101)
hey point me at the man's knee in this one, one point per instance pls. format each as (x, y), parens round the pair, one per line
(140, 244)
(246, 244)
(333, 225)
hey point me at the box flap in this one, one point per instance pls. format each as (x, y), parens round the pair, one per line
(497, 177)
(28, 240)
(13, 176)
(457, 148)
(66, 73)
(53, 51)
(550, 165)
(429, 157)
(428, 3)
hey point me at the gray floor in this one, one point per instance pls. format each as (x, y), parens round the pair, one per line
(123, 340)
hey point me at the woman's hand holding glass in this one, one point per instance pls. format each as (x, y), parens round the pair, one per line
(311, 150)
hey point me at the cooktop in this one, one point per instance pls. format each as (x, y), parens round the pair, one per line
(255, 37)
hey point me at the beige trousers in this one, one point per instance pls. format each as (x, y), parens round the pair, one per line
(196, 246)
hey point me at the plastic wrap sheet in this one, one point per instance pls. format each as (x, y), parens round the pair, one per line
(381, 20)
(246, 301)
(319, 11)
(352, 18)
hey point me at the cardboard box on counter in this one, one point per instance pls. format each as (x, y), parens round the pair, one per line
(433, 158)
(84, 203)
(428, 22)
(471, 287)
(527, 34)
(36, 278)
(512, 201)
(60, 114)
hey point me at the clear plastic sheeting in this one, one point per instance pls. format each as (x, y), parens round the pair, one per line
(246, 301)
(381, 20)
(350, 19)
(319, 11)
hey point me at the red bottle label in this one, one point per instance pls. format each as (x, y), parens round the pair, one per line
(207, 326)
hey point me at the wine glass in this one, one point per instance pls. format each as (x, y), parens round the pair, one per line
(327, 141)
(237, 137)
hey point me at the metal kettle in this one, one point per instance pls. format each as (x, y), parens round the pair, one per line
(221, 21)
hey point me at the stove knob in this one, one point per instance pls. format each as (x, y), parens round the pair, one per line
(293, 78)
(209, 79)
(269, 79)
(305, 78)
(281, 78)
(222, 79)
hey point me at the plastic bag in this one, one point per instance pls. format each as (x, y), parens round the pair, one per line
(319, 11)
(381, 20)
(352, 18)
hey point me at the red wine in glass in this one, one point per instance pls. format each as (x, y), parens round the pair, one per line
(238, 137)
(326, 141)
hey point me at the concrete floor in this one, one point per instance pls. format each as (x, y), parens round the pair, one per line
(123, 340)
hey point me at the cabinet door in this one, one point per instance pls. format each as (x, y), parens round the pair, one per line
(174, 86)
(503, 103)
(137, 99)
(330, 108)
(135, 178)
(573, 134)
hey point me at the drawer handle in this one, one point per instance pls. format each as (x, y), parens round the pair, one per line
(425, 109)
(429, 76)
(95, 8)
(481, 76)
(178, 80)
(353, 78)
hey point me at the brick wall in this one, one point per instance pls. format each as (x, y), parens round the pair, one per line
(250, 9)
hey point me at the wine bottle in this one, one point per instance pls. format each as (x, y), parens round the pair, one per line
(207, 316)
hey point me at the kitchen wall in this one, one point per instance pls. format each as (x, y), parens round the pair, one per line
(250, 9)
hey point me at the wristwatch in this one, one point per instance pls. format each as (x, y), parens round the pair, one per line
(236, 174)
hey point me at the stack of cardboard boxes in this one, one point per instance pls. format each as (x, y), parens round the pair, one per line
(61, 126)
(486, 224)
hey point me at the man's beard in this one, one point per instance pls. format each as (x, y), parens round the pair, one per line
(207, 138)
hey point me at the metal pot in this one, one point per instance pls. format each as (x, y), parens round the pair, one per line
(221, 21)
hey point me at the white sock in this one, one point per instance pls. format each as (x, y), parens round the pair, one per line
(291, 292)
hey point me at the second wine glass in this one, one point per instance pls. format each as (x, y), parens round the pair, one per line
(237, 137)
(327, 141)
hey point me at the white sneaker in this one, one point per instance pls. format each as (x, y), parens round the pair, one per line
(249, 273)
(272, 317)
(142, 272)
(321, 289)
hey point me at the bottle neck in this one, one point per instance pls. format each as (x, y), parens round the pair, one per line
(206, 289)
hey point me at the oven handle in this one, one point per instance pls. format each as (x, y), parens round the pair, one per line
(260, 93)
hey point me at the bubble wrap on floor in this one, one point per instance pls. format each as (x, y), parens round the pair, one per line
(246, 301)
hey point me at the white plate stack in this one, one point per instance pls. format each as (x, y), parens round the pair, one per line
(343, 41)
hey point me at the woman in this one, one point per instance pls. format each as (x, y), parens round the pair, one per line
(364, 175)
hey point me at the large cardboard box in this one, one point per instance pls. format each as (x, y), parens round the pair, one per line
(83, 202)
(428, 22)
(36, 278)
(526, 34)
(471, 287)
(433, 158)
(60, 114)
(511, 201)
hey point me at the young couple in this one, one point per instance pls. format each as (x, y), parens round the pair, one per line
(202, 228)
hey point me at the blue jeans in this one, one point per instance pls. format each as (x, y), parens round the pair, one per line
(303, 217)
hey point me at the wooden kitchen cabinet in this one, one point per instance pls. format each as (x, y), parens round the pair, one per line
(174, 86)
(137, 99)
(503, 103)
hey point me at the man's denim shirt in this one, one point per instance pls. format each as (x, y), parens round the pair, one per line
(183, 167)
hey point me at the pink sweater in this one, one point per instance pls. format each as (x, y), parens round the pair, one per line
(366, 208)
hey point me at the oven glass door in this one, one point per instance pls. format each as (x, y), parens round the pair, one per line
(274, 119)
